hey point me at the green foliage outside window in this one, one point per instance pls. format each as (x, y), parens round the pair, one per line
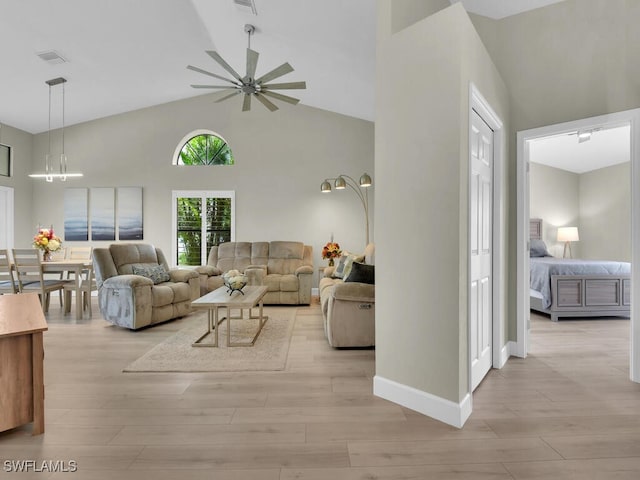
(206, 149)
(217, 223)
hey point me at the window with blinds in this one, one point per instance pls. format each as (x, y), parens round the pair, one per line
(202, 219)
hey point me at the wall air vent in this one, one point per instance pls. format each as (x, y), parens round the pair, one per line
(247, 6)
(51, 57)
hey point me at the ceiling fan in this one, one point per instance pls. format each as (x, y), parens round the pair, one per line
(249, 85)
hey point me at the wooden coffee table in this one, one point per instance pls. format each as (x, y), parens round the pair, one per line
(214, 301)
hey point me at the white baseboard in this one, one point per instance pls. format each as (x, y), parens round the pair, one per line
(439, 408)
(507, 351)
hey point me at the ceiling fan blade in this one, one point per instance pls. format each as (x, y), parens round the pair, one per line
(246, 103)
(227, 96)
(270, 105)
(285, 86)
(199, 70)
(213, 54)
(252, 62)
(275, 73)
(284, 98)
(214, 86)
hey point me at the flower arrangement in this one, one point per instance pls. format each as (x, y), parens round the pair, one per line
(331, 250)
(47, 241)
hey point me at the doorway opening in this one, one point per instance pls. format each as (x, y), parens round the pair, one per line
(526, 139)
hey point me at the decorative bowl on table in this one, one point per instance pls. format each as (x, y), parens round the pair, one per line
(234, 281)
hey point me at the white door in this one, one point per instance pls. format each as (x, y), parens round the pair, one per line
(481, 199)
(6, 217)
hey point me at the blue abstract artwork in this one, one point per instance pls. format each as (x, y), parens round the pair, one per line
(103, 213)
(130, 226)
(76, 214)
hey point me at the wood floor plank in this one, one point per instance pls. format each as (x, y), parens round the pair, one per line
(382, 413)
(598, 469)
(596, 446)
(449, 452)
(490, 471)
(250, 474)
(210, 434)
(413, 428)
(146, 416)
(570, 425)
(242, 456)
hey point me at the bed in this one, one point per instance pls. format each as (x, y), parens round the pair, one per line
(576, 288)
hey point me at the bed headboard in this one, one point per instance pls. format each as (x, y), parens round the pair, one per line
(535, 229)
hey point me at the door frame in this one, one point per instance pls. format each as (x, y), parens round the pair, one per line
(8, 193)
(627, 117)
(499, 352)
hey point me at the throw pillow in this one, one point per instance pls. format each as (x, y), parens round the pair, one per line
(361, 273)
(344, 265)
(538, 249)
(156, 273)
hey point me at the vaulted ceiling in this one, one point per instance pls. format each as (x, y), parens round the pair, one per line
(122, 55)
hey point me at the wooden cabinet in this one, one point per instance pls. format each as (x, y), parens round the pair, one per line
(21, 362)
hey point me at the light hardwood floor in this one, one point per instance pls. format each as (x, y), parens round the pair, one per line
(567, 412)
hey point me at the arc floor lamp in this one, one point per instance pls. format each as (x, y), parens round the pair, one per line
(360, 189)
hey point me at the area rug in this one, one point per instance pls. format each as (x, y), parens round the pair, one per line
(176, 353)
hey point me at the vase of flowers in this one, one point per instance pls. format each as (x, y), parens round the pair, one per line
(47, 241)
(331, 250)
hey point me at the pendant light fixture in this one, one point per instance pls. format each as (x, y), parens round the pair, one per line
(51, 172)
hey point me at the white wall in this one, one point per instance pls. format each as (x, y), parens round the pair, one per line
(22, 144)
(281, 159)
(597, 202)
(605, 213)
(555, 198)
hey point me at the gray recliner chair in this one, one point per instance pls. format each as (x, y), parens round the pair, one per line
(136, 288)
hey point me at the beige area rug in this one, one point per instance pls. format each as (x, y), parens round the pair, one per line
(175, 354)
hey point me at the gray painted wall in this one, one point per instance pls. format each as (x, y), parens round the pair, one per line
(281, 159)
(422, 160)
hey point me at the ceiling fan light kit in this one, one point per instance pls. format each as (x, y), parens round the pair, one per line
(249, 86)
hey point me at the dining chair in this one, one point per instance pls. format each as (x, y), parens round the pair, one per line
(74, 253)
(7, 282)
(87, 281)
(30, 277)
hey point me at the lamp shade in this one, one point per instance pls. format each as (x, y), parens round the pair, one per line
(325, 187)
(340, 183)
(568, 234)
(365, 180)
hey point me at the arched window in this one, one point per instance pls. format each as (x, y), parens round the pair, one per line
(203, 147)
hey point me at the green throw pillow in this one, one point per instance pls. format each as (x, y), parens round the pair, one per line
(156, 273)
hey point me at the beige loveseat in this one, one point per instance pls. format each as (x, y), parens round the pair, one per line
(133, 300)
(349, 308)
(286, 268)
